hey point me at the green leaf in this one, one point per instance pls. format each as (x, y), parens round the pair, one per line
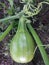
(11, 2)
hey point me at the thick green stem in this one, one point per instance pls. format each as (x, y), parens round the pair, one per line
(6, 32)
(38, 41)
(11, 17)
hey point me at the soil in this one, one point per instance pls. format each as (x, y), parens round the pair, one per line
(42, 29)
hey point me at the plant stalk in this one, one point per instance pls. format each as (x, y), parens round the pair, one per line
(39, 42)
(12, 17)
(6, 32)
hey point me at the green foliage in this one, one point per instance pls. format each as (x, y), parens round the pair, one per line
(11, 2)
(26, 1)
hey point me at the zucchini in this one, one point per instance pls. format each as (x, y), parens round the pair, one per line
(22, 45)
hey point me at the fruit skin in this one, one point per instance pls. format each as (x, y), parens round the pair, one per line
(22, 45)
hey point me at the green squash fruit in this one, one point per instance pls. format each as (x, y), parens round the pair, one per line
(22, 45)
